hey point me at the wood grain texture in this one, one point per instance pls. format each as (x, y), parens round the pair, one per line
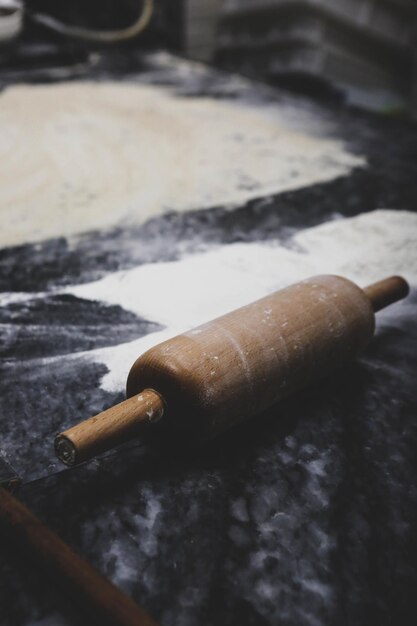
(110, 428)
(385, 292)
(242, 363)
(235, 367)
(95, 596)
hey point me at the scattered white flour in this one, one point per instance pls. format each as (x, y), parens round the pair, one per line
(367, 247)
(197, 288)
(92, 155)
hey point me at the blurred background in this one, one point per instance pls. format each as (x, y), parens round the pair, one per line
(360, 51)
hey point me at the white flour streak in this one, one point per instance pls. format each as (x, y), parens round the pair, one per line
(92, 155)
(365, 248)
(197, 288)
(13, 297)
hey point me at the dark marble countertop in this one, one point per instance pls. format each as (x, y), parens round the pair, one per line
(306, 516)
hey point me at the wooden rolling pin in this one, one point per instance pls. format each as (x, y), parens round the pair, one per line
(197, 384)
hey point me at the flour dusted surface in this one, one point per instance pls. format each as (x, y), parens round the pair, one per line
(95, 155)
(197, 288)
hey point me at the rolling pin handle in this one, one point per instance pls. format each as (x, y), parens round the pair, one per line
(387, 291)
(110, 428)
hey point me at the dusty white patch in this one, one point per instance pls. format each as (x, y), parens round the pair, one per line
(11, 297)
(367, 247)
(122, 558)
(80, 156)
(198, 288)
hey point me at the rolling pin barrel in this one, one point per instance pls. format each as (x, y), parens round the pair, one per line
(238, 365)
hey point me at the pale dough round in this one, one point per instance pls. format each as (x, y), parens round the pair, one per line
(80, 156)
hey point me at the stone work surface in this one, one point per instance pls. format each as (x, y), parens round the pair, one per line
(306, 516)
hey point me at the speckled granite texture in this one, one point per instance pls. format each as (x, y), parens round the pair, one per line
(307, 517)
